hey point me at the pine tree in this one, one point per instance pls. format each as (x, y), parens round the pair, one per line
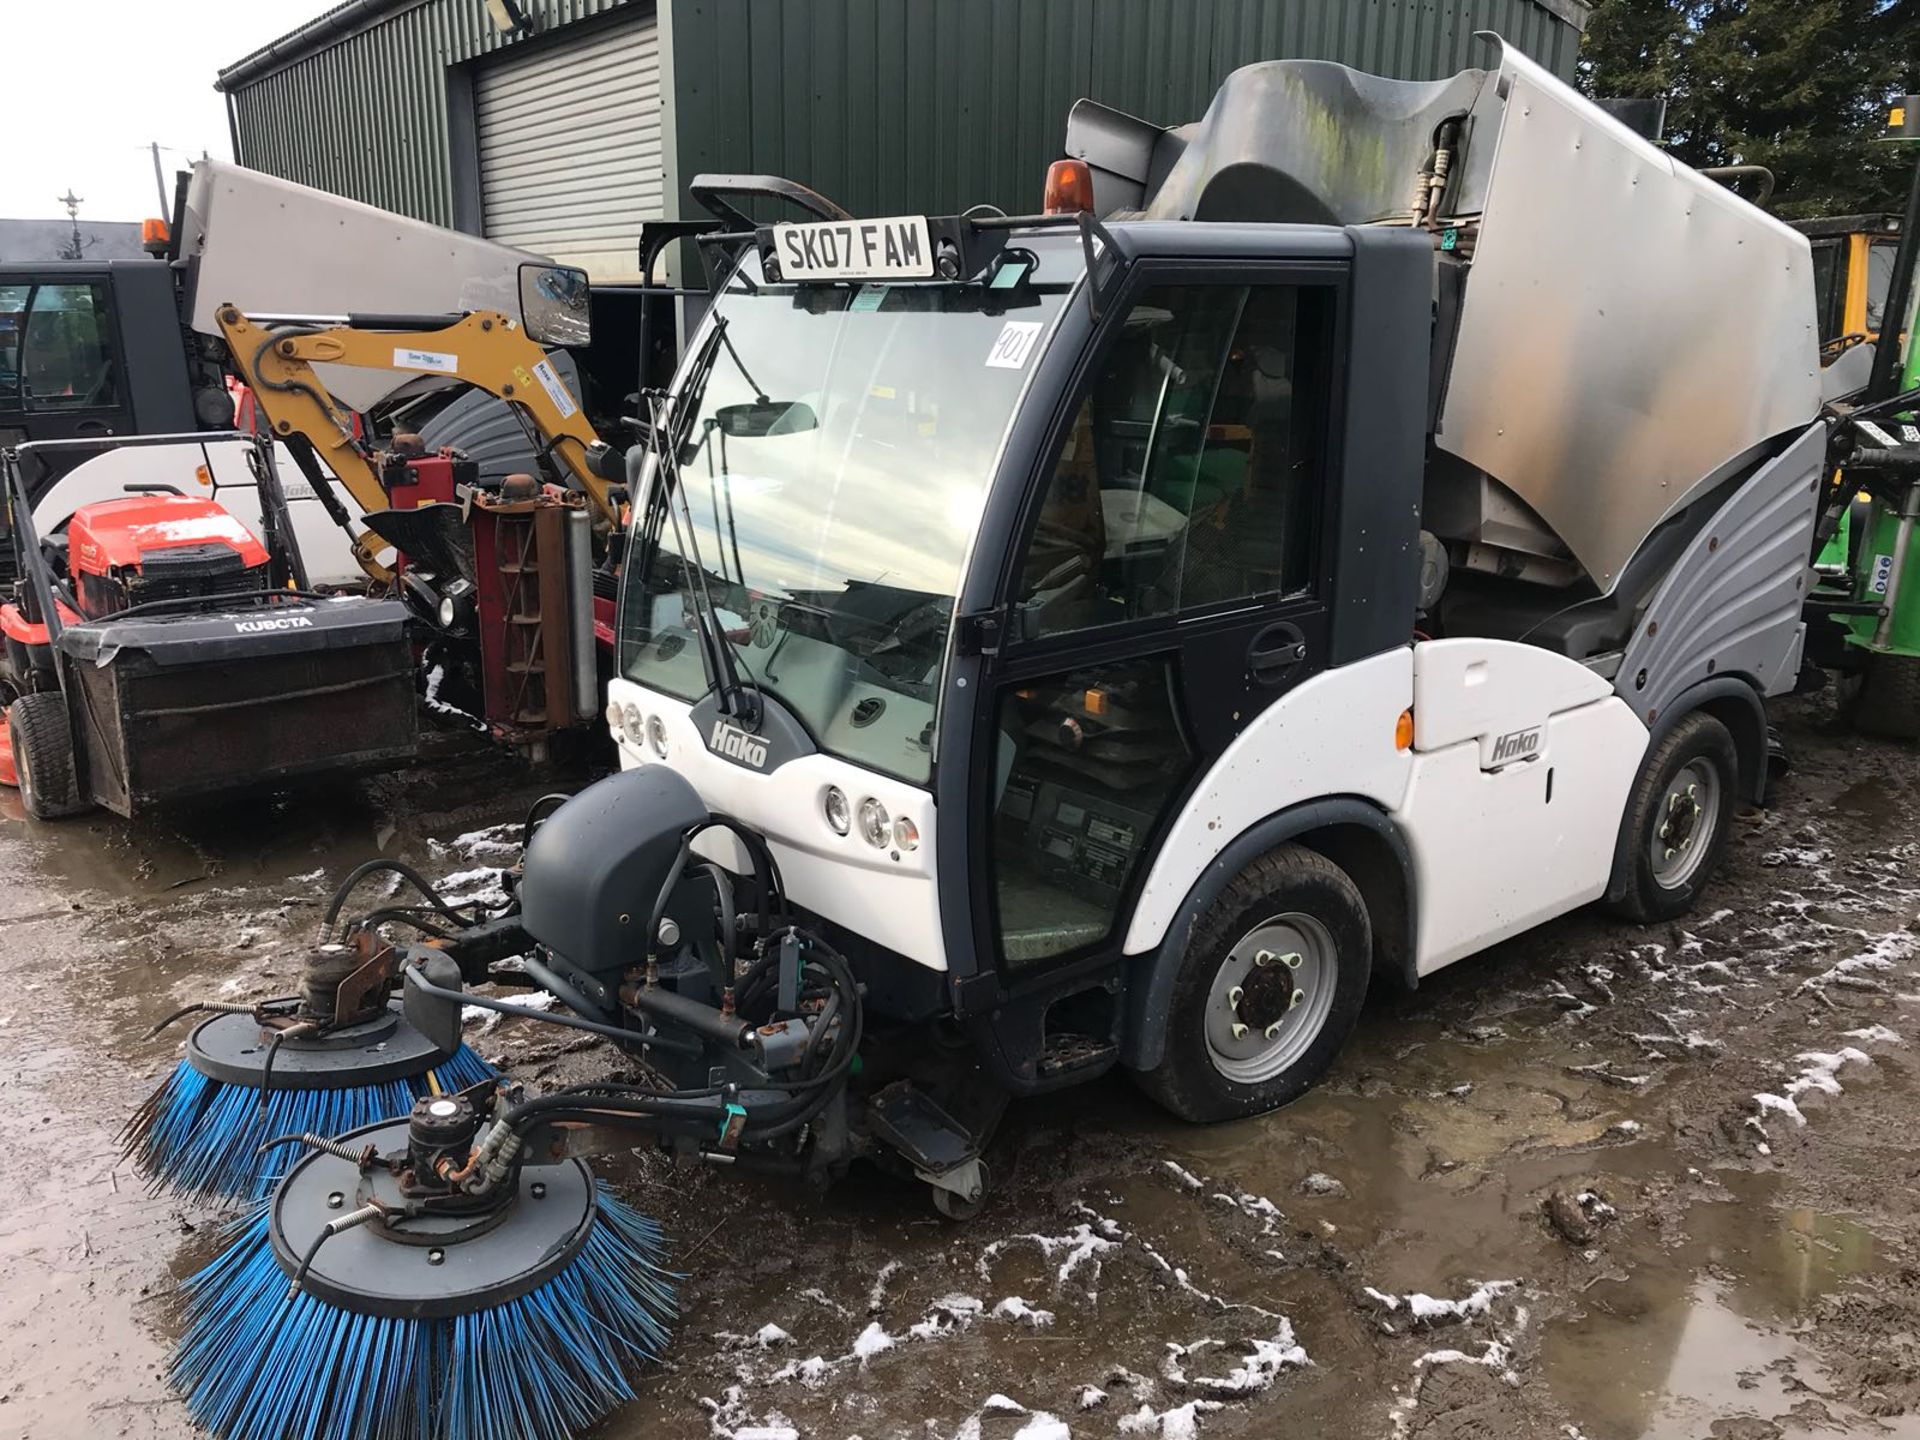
(1799, 86)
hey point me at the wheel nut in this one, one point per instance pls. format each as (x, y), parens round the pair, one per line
(1239, 1031)
(1234, 996)
(1294, 999)
(1291, 960)
(1264, 958)
(1272, 1030)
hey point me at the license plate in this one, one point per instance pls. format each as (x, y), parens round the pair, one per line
(891, 249)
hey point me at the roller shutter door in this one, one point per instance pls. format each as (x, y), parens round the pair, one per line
(569, 141)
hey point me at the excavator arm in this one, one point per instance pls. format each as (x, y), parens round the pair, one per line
(485, 349)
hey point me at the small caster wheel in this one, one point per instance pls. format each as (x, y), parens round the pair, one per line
(957, 1207)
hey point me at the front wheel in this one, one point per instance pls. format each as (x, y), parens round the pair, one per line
(42, 744)
(1679, 816)
(1885, 702)
(1268, 990)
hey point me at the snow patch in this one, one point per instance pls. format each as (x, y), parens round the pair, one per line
(1185, 1176)
(1019, 1311)
(1818, 1071)
(877, 1296)
(872, 1341)
(1043, 1427)
(1431, 1310)
(1083, 1246)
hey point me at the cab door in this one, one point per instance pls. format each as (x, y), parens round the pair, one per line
(1169, 582)
(62, 376)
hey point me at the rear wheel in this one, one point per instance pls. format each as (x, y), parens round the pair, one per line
(1269, 989)
(43, 757)
(1886, 702)
(1678, 819)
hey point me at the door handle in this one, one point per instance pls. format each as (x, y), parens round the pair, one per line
(1275, 653)
(92, 427)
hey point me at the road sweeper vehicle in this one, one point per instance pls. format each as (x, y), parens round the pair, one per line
(1339, 535)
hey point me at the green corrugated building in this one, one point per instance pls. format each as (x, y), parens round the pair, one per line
(560, 125)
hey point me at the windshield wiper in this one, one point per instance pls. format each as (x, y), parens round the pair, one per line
(669, 415)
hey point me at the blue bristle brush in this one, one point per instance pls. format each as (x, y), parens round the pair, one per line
(202, 1131)
(530, 1327)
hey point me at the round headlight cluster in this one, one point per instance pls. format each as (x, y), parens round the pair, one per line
(633, 725)
(876, 826)
(657, 735)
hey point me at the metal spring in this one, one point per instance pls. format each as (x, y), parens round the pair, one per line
(336, 1149)
(362, 1157)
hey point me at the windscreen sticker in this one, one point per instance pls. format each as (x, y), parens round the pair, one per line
(868, 299)
(405, 359)
(556, 389)
(1015, 344)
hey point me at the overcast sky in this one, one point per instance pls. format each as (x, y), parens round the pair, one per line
(90, 82)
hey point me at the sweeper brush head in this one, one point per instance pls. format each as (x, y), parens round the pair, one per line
(202, 1131)
(526, 1320)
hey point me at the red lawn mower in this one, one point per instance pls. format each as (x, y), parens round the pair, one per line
(158, 650)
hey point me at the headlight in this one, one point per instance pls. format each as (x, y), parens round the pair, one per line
(657, 735)
(839, 813)
(455, 610)
(875, 824)
(633, 725)
(613, 716)
(906, 834)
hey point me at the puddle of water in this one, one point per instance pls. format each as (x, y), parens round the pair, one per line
(1705, 1332)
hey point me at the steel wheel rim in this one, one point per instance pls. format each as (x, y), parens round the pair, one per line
(1275, 1029)
(1684, 824)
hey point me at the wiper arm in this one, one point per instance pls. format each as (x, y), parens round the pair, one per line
(715, 652)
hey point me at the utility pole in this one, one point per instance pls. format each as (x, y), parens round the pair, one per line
(160, 181)
(74, 249)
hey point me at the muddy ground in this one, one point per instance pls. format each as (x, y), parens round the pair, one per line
(1602, 1182)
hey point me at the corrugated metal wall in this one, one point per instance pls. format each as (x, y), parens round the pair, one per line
(886, 105)
(836, 92)
(367, 116)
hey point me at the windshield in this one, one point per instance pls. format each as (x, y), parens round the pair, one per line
(835, 463)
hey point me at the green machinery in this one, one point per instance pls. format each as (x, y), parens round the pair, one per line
(1865, 612)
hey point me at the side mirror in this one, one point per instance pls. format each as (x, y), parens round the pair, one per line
(765, 417)
(554, 304)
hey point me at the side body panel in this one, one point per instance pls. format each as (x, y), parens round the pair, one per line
(1498, 851)
(1484, 690)
(1334, 735)
(1731, 604)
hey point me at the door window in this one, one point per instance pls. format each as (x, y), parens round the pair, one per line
(66, 360)
(13, 319)
(1190, 476)
(1826, 273)
(1084, 764)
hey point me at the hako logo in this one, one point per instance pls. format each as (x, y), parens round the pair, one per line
(1516, 745)
(283, 622)
(736, 744)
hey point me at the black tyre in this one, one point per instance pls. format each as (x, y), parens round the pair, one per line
(1679, 816)
(1886, 702)
(1269, 989)
(43, 756)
